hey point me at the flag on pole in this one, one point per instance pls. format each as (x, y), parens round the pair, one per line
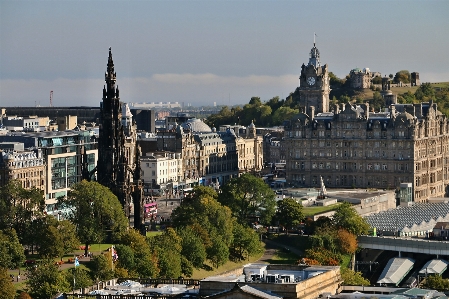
(77, 263)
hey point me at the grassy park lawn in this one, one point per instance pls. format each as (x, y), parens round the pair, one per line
(284, 256)
(440, 84)
(203, 273)
(94, 248)
(310, 211)
(154, 233)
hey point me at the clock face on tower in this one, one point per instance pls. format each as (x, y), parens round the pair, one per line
(311, 80)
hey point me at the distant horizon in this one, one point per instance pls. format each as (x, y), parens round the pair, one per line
(185, 106)
(200, 52)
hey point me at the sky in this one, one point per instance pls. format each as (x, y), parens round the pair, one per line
(206, 52)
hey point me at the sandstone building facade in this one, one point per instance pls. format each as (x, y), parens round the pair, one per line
(26, 166)
(314, 83)
(352, 147)
(360, 78)
(210, 157)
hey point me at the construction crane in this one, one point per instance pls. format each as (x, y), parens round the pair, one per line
(51, 98)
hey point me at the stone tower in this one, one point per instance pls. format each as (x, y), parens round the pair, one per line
(415, 79)
(118, 165)
(387, 94)
(314, 87)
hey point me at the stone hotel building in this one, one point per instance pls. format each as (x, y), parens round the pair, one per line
(353, 147)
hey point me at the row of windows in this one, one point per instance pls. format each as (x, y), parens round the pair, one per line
(349, 166)
(24, 164)
(352, 144)
(63, 161)
(433, 191)
(346, 180)
(346, 134)
(429, 178)
(403, 155)
(29, 174)
(438, 162)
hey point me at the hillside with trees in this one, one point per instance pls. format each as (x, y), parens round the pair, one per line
(275, 111)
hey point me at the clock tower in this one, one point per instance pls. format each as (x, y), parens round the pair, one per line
(314, 87)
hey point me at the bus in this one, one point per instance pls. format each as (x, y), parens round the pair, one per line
(150, 210)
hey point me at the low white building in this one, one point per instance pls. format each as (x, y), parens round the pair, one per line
(161, 170)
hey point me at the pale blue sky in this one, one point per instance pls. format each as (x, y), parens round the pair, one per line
(201, 52)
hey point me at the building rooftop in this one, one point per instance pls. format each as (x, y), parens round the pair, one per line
(395, 270)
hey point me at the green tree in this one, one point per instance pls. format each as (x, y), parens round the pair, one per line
(264, 112)
(95, 210)
(7, 289)
(80, 276)
(190, 209)
(346, 217)
(275, 103)
(321, 223)
(192, 245)
(402, 76)
(11, 251)
(145, 259)
(56, 238)
(168, 248)
(425, 93)
(289, 213)
(186, 266)
(18, 206)
(206, 215)
(45, 281)
(126, 255)
(226, 116)
(50, 244)
(289, 102)
(218, 253)
(202, 191)
(406, 98)
(335, 82)
(377, 102)
(255, 101)
(325, 238)
(101, 267)
(246, 241)
(248, 196)
(436, 282)
(352, 278)
(283, 113)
